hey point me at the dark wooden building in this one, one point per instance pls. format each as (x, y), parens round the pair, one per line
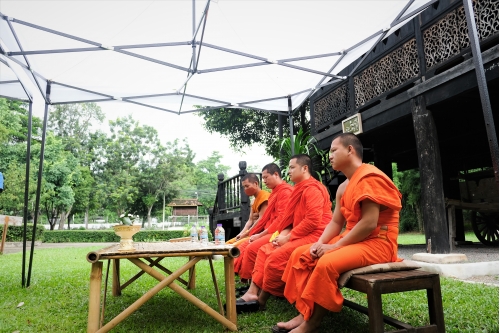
(185, 207)
(417, 101)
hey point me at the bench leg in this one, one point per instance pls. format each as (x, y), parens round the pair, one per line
(375, 316)
(435, 304)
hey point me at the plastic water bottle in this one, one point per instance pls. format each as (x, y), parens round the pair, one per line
(220, 235)
(194, 234)
(204, 235)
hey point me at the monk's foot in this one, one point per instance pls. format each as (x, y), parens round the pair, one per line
(306, 327)
(291, 324)
(247, 297)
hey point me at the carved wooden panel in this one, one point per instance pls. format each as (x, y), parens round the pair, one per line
(388, 73)
(450, 34)
(332, 107)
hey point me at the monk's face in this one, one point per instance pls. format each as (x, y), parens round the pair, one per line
(271, 180)
(250, 188)
(338, 155)
(296, 171)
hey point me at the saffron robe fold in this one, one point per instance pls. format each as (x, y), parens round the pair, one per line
(260, 199)
(310, 281)
(277, 202)
(309, 210)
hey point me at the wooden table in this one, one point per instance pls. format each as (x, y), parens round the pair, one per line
(142, 257)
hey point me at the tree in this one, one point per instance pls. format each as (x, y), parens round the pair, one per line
(60, 168)
(128, 144)
(72, 122)
(243, 127)
(205, 178)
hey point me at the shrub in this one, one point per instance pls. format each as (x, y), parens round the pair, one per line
(106, 236)
(15, 232)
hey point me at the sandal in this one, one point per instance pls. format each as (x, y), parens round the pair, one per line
(277, 329)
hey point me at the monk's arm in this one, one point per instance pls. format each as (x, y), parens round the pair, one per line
(313, 214)
(280, 206)
(335, 226)
(368, 222)
(251, 222)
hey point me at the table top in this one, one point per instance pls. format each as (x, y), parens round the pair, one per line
(163, 249)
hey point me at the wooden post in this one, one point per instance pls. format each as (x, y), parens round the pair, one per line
(230, 292)
(95, 297)
(431, 178)
(4, 233)
(116, 289)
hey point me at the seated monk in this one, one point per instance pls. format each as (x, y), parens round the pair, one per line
(370, 203)
(251, 186)
(266, 226)
(305, 217)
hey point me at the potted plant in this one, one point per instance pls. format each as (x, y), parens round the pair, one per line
(126, 229)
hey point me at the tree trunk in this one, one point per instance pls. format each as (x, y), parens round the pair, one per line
(86, 218)
(149, 216)
(62, 220)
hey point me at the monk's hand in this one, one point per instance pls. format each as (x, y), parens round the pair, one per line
(324, 248)
(253, 238)
(281, 240)
(313, 250)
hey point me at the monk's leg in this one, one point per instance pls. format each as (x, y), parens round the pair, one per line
(330, 266)
(312, 325)
(258, 275)
(249, 257)
(238, 261)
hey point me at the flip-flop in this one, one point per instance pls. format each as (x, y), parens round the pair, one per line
(277, 329)
(251, 306)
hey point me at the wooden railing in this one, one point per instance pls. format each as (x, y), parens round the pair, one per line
(232, 205)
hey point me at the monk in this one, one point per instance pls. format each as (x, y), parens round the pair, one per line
(307, 214)
(266, 226)
(251, 186)
(369, 202)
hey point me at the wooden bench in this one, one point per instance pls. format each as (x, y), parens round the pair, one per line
(376, 284)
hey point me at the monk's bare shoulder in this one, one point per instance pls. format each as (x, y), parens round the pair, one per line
(342, 187)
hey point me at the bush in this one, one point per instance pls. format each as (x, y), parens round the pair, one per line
(15, 232)
(106, 236)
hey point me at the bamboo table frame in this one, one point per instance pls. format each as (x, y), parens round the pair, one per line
(142, 258)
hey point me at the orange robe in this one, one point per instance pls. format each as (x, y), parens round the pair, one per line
(309, 211)
(243, 265)
(310, 281)
(260, 198)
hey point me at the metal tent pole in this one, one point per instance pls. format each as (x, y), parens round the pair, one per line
(477, 58)
(290, 119)
(26, 191)
(39, 182)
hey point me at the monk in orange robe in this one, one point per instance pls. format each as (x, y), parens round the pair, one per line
(369, 202)
(303, 221)
(262, 230)
(251, 186)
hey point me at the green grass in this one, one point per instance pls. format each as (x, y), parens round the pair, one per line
(57, 301)
(412, 238)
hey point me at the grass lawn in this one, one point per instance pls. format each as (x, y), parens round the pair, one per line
(418, 238)
(57, 301)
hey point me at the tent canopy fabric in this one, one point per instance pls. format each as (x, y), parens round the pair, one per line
(178, 56)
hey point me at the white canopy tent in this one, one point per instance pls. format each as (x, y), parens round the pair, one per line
(186, 56)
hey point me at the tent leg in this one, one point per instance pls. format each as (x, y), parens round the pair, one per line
(477, 58)
(26, 191)
(290, 119)
(39, 183)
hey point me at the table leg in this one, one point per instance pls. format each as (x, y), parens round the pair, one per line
(95, 297)
(230, 293)
(116, 288)
(192, 277)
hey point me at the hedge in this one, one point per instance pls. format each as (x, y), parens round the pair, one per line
(15, 232)
(106, 236)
